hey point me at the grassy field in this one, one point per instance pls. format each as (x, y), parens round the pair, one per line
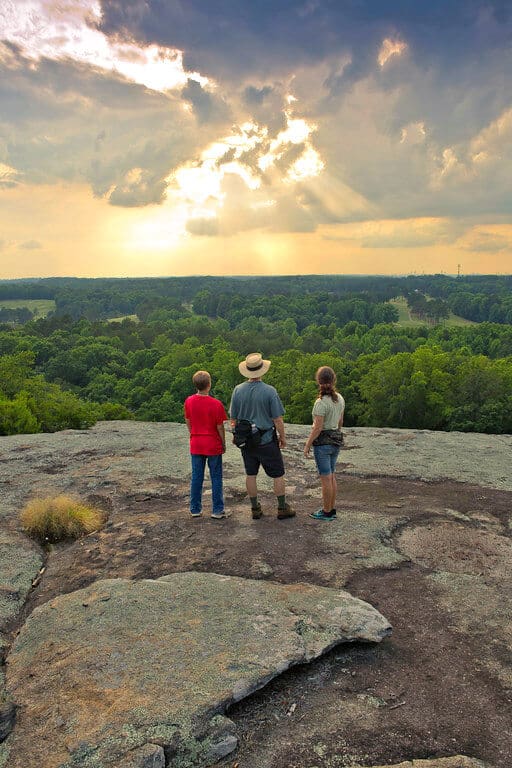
(404, 317)
(40, 307)
(123, 317)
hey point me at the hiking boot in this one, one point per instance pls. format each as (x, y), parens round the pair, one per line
(286, 511)
(321, 515)
(256, 512)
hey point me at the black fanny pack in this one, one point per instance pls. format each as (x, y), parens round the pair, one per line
(246, 434)
(329, 437)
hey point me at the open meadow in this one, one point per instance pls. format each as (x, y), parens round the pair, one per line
(39, 307)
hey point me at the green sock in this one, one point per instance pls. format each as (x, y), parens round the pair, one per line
(281, 502)
(254, 502)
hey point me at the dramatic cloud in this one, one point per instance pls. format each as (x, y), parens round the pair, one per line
(203, 227)
(295, 118)
(8, 176)
(486, 242)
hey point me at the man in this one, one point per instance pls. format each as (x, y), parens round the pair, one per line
(260, 404)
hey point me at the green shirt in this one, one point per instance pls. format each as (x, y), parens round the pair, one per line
(330, 410)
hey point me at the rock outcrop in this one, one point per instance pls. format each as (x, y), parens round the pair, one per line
(423, 533)
(105, 460)
(131, 671)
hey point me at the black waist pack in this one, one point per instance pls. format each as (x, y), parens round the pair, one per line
(246, 434)
(329, 437)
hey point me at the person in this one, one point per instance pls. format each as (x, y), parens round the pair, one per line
(205, 417)
(328, 411)
(260, 404)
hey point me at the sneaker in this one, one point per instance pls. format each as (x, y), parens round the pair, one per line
(321, 515)
(256, 512)
(219, 515)
(286, 511)
(196, 514)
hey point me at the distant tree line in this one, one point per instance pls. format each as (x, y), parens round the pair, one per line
(58, 372)
(15, 315)
(480, 298)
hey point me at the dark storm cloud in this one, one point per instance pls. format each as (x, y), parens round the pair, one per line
(240, 37)
(208, 108)
(66, 121)
(425, 132)
(267, 105)
(142, 189)
(459, 46)
(256, 96)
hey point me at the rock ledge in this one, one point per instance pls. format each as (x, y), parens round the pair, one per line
(141, 673)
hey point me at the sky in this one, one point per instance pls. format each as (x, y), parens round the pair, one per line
(142, 137)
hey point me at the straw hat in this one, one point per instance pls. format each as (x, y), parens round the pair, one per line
(254, 366)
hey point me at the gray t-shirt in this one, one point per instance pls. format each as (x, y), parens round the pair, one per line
(259, 403)
(331, 411)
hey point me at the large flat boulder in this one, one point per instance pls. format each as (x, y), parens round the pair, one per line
(136, 673)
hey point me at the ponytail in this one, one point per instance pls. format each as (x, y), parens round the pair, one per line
(326, 380)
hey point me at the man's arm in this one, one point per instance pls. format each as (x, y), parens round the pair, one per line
(279, 425)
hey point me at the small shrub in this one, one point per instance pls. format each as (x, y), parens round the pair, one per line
(16, 416)
(60, 517)
(113, 411)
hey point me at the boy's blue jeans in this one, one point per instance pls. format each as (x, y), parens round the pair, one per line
(196, 482)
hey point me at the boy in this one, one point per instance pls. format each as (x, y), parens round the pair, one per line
(205, 417)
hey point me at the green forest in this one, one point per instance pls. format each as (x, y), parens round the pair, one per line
(78, 365)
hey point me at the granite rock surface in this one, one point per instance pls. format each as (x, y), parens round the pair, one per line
(122, 670)
(424, 518)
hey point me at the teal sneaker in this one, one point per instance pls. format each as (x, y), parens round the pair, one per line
(321, 515)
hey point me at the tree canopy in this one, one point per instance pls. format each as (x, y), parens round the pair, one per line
(67, 371)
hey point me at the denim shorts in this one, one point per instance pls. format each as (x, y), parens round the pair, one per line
(325, 457)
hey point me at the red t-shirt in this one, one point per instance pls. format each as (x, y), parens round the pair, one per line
(204, 414)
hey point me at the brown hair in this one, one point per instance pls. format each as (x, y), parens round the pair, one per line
(201, 380)
(326, 380)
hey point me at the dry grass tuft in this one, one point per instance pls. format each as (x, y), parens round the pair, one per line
(60, 517)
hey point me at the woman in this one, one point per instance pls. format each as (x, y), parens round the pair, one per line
(328, 413)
